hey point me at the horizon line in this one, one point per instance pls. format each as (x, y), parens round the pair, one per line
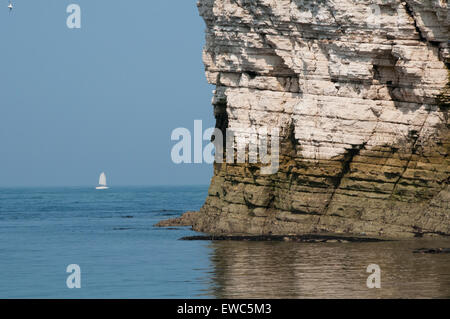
(111, 187)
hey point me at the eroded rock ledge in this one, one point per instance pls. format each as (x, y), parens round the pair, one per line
(360, 92)
(309, 238)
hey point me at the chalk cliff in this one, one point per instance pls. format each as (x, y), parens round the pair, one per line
(360, 92)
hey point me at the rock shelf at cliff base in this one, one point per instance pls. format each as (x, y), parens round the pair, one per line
(360, 92)
(311, 238)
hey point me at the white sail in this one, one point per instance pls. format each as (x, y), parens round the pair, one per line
(102, 179)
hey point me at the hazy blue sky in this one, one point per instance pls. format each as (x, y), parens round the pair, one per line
(105, 97)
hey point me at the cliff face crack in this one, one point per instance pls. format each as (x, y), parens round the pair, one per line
(415, 135)
(348, 159)
(422, 37)
(221, 115)
(410, 12)
(340, 28)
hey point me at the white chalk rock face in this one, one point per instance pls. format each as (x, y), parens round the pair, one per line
(359, 90)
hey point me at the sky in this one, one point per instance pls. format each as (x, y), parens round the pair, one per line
(106, 97)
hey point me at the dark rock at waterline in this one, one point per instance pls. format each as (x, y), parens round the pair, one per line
(289, 238)
(187, 219)
(432, 251)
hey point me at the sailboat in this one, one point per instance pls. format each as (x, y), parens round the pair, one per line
(102, 182)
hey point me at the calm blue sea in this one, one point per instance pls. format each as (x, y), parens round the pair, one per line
(110, 235)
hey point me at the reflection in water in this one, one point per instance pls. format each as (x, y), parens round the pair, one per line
(299, 270)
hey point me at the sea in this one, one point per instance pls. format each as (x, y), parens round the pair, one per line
(110, 236)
